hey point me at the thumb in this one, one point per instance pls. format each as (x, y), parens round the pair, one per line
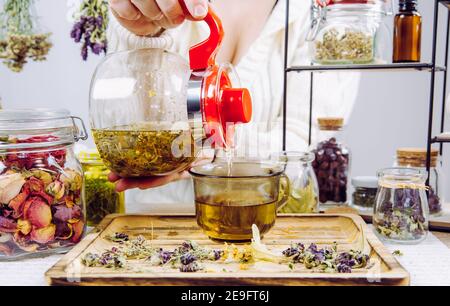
(197, 8)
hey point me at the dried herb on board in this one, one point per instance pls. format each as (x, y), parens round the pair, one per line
(131, 152)
(189, 256)
(18, 40)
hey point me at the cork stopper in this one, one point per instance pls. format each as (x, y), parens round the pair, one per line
(416, 157)
(330, 123)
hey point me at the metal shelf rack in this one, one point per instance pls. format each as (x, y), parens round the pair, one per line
(432, 68)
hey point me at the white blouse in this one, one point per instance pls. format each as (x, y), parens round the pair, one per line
(261, 71)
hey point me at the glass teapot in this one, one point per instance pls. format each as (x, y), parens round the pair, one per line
(150, 110)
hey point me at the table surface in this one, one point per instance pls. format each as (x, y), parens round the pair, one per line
(444, 237)
(423, 272)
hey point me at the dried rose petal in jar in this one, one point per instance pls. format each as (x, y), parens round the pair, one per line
(41, 201)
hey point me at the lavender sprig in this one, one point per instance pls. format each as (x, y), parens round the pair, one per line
(90, 27)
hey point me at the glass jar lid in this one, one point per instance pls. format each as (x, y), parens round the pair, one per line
(380, 6)
(370, 182)
(330, 123)
(416, 157)
(34, 128)
(402, 178)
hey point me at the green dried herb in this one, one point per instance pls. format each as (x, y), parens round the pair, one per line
(130, 151)
(102, 199)
(397, 253)
(301, 200)
(353, 46)
(19, 43)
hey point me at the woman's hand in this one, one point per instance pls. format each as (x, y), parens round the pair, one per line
(123, 184)
(148, 17)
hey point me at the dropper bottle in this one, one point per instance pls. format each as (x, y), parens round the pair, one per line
(407, 33)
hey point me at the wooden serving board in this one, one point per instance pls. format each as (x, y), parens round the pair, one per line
(169, 232)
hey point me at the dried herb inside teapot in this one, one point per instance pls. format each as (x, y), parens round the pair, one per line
(131, 152)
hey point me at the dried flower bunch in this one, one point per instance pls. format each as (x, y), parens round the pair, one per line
(40, 200)
(90, 26)
(353, 46)
(18, 41)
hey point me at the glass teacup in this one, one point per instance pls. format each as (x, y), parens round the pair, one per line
(230, 198)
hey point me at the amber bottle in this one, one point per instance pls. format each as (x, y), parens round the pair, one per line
(407, 33)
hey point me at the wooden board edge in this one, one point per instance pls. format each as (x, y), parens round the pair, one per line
(56, 275)
(58, 269)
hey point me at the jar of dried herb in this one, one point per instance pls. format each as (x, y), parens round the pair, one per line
(417, 158)
(101, 196)
(401, 208)
(348, 32)
(304, 190)
(332, 162)
(366, 187)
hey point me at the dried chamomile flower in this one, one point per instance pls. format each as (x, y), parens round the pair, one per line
(352, 45)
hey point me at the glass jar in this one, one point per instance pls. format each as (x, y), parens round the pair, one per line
(332, 163)
(349, 31)
(101, 196)
(363, 197)
(401, 210)
(41, 196)
(304, 190)
(417, 158)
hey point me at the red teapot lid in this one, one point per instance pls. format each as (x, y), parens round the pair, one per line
(222, 105)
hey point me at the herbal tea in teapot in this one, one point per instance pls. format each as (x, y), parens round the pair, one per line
(131, 151)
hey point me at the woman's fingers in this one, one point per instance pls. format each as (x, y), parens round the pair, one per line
(172, 11)
(112, 177)
(149, 9)
(197, 8)
(125, 9)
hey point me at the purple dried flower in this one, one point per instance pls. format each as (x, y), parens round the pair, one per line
(343, 268)
(192, 267)
(217, 254)
(84, 52)
(165, 256)
(187, 258)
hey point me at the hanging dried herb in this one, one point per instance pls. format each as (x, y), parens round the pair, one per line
(18, 40)
(90, 25)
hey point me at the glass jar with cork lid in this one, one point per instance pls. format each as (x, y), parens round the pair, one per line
(349, 31)
(332, 162)
(417, 158)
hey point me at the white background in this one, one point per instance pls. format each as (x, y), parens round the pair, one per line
(391, 109)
